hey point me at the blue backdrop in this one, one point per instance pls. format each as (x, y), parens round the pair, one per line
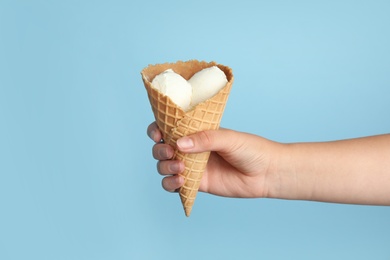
(77, 179)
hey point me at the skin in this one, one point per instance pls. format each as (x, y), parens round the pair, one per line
(353, 171)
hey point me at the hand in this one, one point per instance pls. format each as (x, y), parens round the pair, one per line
(355, 171)
(240, 164)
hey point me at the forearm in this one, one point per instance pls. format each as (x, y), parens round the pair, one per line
(353, 171)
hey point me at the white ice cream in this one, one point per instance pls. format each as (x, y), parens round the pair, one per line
(187, 94)
(206, 83)
(175, 87)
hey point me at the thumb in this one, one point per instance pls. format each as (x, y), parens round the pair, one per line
(221, 140)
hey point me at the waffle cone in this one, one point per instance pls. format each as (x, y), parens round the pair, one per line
(174, 123)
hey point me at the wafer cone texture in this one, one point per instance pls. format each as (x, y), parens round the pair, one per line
(174, 123)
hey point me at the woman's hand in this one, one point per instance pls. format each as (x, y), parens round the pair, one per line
(240, 164)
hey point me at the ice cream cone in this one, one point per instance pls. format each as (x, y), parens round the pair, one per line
(175, 123)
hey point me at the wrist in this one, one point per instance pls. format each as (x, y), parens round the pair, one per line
(276, 172)
(295, 171)
(283, 180)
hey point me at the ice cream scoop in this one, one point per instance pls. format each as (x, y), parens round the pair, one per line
(206, 83)
(177, 88)
(187, 94)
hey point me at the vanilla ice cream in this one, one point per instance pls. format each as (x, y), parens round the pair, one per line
(187, 94)
(177, 88)
(206, 83)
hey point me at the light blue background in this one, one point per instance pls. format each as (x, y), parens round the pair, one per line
(77, 179)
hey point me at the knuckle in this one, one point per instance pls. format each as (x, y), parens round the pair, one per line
(166, 184)
(205, 139)
(155, 152)
(158, 166)
(154, 133)
(162, 151)
(150, 129)
(163, 167)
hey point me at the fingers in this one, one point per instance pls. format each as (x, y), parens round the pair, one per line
(162, 151)
(172, 183)
(221, 140)
(154, 133)
(165, 166)
(170, 167)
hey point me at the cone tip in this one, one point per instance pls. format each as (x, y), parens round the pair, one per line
(187, 211)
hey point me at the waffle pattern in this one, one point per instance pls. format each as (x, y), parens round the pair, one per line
(175, 123)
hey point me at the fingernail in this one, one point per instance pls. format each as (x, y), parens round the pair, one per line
(185, 143)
